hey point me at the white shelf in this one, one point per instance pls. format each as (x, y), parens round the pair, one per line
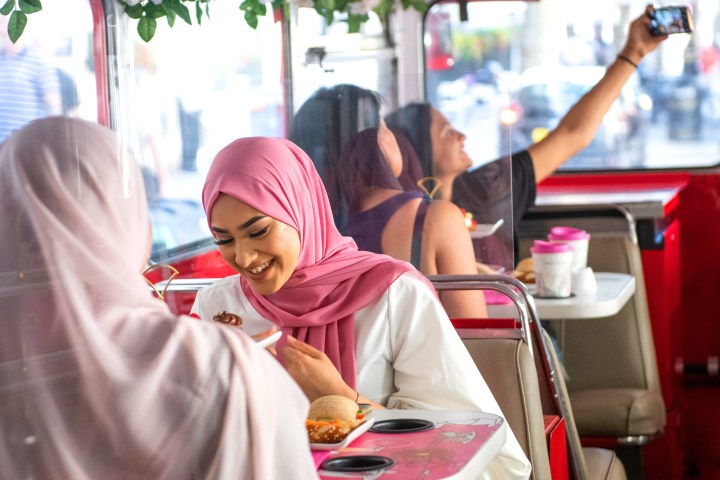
(613, 292)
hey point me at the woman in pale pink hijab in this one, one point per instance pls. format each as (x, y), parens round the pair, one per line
(355, 323)
(98, 379)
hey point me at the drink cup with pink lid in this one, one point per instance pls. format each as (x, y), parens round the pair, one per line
(577, 239)
(553, 274)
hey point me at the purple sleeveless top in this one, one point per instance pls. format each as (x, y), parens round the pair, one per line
(366, 227)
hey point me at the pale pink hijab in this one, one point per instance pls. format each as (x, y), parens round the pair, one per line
(98, 379)
(333, 279)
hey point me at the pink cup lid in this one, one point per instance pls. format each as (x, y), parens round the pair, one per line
(541, 246)
(567, 233)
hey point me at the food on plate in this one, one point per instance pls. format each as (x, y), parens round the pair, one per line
(525, 270)
(227, 317)
(331, 418)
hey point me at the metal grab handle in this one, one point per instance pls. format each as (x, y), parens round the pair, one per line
(518, 292)
(488, 282)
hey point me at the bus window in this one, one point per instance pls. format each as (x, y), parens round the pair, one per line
(325, 55)
(192, 90)
(50, 69)
(547, 54)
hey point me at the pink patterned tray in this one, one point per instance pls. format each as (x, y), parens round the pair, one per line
(441, 452)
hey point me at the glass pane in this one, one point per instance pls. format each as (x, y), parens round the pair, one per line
(326, 55)
(548, 54)
(50, 69)
(344, 85)
(188, 99)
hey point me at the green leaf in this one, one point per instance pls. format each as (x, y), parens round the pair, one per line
(154, 11)
(355, 21)
(30, 6)
(251, 18)
(179, 9)
(8, 7)
(198, 12)
(16, 25)
(146, 28)
(420, 5)
(384, 8)
(325, 4)
(170, 16)
(135, 11)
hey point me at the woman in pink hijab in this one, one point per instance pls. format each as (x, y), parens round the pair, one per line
(98, 379)
(355, 323)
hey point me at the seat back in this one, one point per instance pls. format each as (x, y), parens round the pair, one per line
(593, 463)
(552, 392)
(509, 370)
(614, 383)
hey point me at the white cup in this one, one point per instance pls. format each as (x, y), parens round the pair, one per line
(553, 274)
(577, 239)
(583, 281)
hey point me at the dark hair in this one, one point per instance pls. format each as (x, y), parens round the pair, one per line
(363, 166)
(411, 171)
(325, 123)
(414, 121)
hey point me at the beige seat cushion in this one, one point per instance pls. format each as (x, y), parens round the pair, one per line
(618, 412)
(509, 370)
(603, 464)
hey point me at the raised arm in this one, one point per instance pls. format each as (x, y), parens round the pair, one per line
(577, 129)
(447, 249)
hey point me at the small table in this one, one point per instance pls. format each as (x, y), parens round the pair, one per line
(613, 292)
(461, 445)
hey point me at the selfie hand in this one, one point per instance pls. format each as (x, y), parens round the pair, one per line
(313, 371)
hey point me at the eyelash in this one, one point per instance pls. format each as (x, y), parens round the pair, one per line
(255, 235)
(260, 233)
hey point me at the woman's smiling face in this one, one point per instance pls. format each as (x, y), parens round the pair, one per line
(448, 146)
(265, 251)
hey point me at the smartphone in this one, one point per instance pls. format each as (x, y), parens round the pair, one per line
(671, 19)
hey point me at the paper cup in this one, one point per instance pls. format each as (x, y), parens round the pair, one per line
(577, 239)
(583, 281)
(553, 262)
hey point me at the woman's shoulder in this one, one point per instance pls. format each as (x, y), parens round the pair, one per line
(223, 291)
(445, 214)
(222, 285)
(411, 282)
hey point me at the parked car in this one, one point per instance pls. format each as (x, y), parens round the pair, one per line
(543, 97)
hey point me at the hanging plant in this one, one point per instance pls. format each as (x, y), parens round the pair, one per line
(147, 12)
(18, 11)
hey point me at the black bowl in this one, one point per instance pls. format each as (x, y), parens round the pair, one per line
(357, 463)
(402, 425)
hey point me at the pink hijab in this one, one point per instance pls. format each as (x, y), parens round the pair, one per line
(333, 279)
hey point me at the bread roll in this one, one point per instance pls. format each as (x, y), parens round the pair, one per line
(332, 418)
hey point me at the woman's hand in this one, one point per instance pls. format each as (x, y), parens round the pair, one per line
(314, 371)
(263, 335)
(639, 41)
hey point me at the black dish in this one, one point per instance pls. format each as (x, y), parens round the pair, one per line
(357, 463)
(402, 425)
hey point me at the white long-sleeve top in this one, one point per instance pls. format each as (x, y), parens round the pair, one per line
(408, 356)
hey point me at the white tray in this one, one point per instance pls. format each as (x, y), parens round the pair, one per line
(369, 420)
